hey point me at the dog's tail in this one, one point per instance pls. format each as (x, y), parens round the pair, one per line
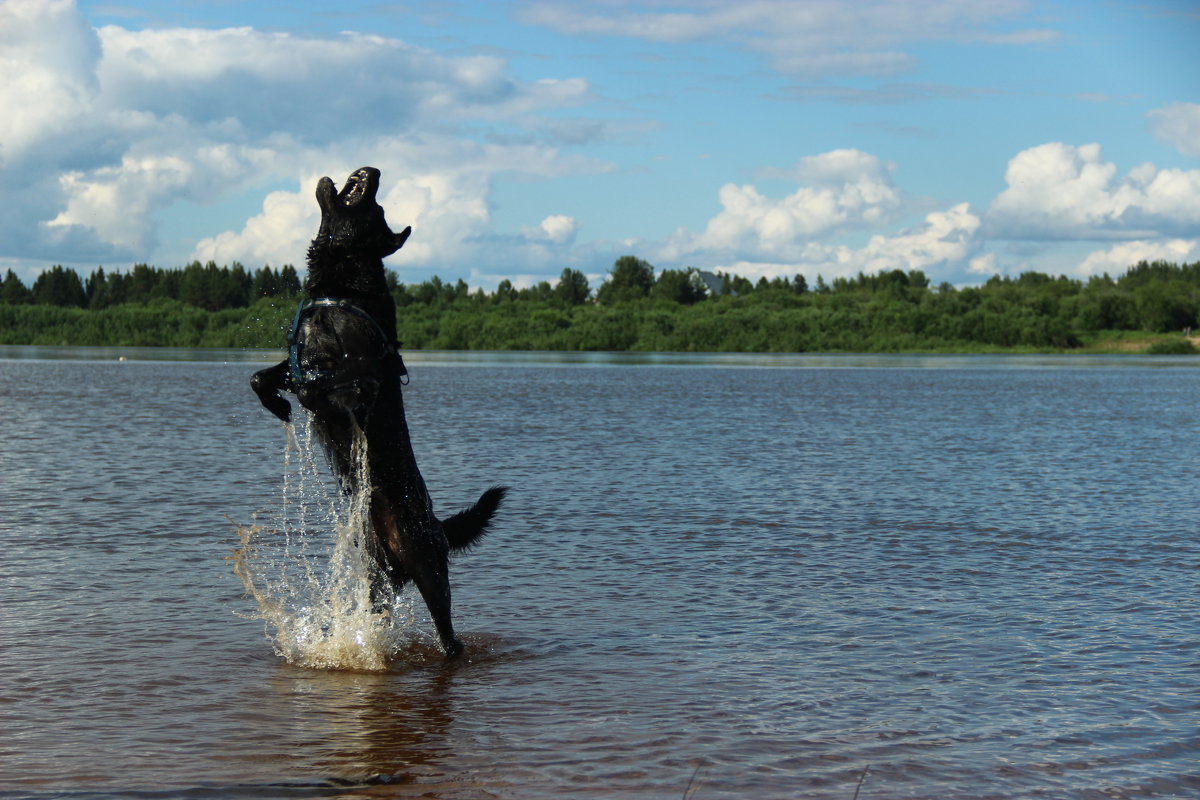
(467, 527)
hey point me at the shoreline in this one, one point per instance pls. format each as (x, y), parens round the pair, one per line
(609, 358)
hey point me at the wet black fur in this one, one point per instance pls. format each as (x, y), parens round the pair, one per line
(354, 379)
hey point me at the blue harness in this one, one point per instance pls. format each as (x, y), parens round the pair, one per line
(302, 376)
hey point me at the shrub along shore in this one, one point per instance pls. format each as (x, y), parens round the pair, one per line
(1151, 308)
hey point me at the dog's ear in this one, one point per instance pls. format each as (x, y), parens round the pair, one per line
(402, 237)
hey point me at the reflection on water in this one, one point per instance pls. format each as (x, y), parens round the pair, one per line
(976, 578)
(367, 726)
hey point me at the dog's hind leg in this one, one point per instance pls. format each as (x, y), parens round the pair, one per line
(422, 558)
(388, 576)
(434, 585)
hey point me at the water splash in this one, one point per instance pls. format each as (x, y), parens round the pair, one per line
(307, 567)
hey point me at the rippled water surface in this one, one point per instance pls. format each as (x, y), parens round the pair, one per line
(716, 577)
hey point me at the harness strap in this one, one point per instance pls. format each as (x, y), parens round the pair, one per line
(300, 376)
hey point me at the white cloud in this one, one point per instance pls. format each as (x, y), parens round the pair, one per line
(984, 264)
(279, 235)
(557, 228)
(1060, 191)
(1179, 126)
(1118, 258)
(848, 168)
(940, 244)
(945, 238)
(840, 189)
(120, 203)
(819, 37)
(48, 56)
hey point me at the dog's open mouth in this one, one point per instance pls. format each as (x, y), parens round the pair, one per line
(361, 185)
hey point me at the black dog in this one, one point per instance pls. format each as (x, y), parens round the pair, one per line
(344, 367)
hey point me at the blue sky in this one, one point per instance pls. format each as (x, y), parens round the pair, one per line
(963, 138)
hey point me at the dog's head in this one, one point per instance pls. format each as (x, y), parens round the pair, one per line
(351, 220)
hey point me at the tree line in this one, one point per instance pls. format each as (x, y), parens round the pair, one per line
(204, 286)
(636, 308)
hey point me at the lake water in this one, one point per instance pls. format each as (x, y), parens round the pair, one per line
(715, 577)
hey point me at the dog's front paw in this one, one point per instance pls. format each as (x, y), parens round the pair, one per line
(279, 407)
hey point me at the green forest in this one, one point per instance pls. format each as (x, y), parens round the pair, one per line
(1151, 308)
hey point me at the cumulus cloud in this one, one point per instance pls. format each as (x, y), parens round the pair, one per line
(984, 264)
(1179, 126)
(48, 58)
(821, 37)
(936, 247)
(946, 237)
(840, 189)
(117, 125)
(1118, 258)
(557, 228)
(278, 235)
(1061, 191)
(120, 204)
